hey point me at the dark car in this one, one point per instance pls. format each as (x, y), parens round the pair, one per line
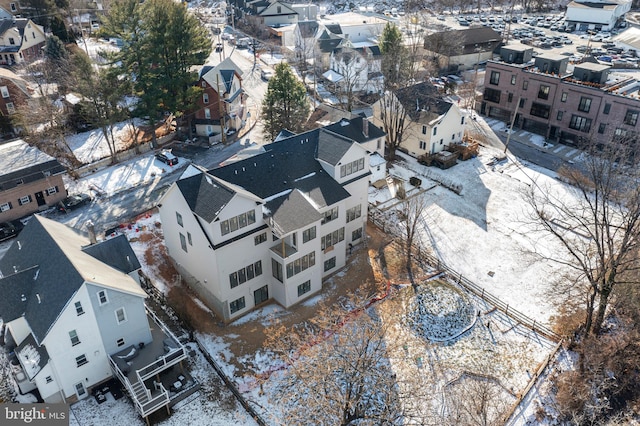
(219, 47)
(73, 201)
(166, 156)
(10, 229)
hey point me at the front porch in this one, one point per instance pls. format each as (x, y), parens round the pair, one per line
(153, 374)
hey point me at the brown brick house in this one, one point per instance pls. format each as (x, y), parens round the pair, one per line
(564, 105)
(30, 181)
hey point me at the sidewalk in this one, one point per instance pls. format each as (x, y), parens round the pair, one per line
(533, 140)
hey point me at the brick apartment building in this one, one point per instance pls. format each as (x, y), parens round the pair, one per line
(562, 102)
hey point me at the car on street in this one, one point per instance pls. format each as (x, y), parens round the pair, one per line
(167, 157)
(219, 47)
(10, 229)
(266, 74)
(73, 201)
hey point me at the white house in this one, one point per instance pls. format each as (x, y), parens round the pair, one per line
(21, 40)
(433, 122)
(71, 306)
(596, 14)
(355, 27)
(358, 67)
(271, 226)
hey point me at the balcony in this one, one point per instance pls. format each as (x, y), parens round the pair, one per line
(153, 373)
(283, 250)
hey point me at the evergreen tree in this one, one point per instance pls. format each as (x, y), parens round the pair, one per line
(285, 105)
(395, 60)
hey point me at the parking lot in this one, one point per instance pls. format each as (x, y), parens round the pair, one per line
(548, 32)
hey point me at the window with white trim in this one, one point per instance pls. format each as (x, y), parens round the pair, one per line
(5, 207)
(4, 91)
(11, 109)
(75, 340)
(120, 342)
(205, 98)
(102, 297)
(24, 200)
(121, 315)
(47, 379)
(52, 190)
(79, 309)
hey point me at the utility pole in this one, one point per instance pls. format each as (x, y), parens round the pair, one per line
(513, 119)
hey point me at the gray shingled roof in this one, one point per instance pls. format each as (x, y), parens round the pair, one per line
(115, 252)
(422, 101)
(50, 254)
(286, 165)
(205, 197)
(352, 129)
(13, 287)
(290, 212)
(332, 147)
(308, 29)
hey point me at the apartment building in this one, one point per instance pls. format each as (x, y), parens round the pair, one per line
(565, 103)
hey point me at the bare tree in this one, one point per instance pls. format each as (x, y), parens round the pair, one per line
(474, 400)
(354, 70)
(338, 371)
(393, 117)
(598, 225)
(412, 212)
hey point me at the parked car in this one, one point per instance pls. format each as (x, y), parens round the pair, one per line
(10, 229)
(219, 47)
(167, 157)
(73, 201)
(266, 74)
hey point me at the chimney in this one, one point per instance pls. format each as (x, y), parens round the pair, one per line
(92, 232)
(365, 127)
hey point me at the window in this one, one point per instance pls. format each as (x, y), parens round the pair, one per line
(205, 98)
(330, 215)
(585, 104)
(352, 167)
(102, 297)
(259, 239)
(207, 113)
(303, 288)
(4, 91)
(462, 120)
(424, 130)
(52, 190)
(356, 234)
(510, 97)
(563, 97)
(525, 84)
(607, 109)
(601, 128)
(329, 264)
(79, 310)
(513, 79)
(5, 207)
(237, 305)
(308, 234)
(582, 124)
(543, 92)
(435, 131)
(540, 110)
(245, 274)
(631, 118)
(354, 213)
(12, 41)
(237, 222)
(492, 95)
(74, 338)
(276, 270)
(81, 360)
(24, 200)
(522, 102)
(121, 315)
(179, 219)
(423, 145)
(189, 238)
(559, 115)
(15, 9)
(333, 238)
(120, 342)
(47, 379)
(495, 78)
(183, 242)
(302, 264)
